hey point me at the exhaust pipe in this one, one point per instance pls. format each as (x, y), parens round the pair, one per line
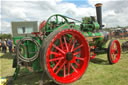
(99, 14)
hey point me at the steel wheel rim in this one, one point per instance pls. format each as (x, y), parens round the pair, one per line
(64, 64)
(115, 51)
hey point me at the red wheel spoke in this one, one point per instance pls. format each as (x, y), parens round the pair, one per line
(115, 55)
(74, 68)
(64, 71)
(114, 47)
(61, 43)
(79, 58)
(112, 56)
(70, 42)
(76, 62)
(78, 47)
(67, 56)
(54, 59)
(55, 53)
(113, 50)
(73, 45)
(68, 68)
(60, 67)
(58, 49)
(66, 44)
(56, 65)
(76, 53)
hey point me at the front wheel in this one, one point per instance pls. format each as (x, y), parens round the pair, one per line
(114, 51)
(66, 55)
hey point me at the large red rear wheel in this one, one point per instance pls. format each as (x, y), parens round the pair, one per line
(114, 51)
(66, 55)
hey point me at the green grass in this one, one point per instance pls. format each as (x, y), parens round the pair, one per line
(99, 72)
(6, 64)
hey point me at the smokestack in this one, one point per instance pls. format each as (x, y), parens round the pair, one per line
(99, 14)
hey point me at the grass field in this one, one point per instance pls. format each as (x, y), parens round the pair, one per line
(99, 72)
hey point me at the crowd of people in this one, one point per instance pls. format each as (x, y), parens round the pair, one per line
(6, 44)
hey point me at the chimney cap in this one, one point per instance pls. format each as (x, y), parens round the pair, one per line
(98, 5)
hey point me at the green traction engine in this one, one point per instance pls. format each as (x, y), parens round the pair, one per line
(64, 46)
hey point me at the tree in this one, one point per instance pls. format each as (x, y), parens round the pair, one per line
(5, 36)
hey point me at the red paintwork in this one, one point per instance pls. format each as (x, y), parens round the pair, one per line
(36, 33)
(40, 27)
(17, 41)
(115, 51)
(94, 54)
(60, 61)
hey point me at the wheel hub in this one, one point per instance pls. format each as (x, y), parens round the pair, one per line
(69, 56)
(116, 51)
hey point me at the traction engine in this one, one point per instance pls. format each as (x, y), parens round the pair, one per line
(64, 46)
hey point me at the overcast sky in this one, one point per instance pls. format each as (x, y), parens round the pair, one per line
(115, 12)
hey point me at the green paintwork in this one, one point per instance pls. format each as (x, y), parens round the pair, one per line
(31, 48)
(16, 39)
(47, 26)
(88, 28)
(16, 72)
(89, 24)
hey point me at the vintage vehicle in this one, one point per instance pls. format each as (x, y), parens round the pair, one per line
(120, 33)
(125, 46)
(63, 48)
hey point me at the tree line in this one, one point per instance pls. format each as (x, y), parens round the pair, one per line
(114, 28)
(5, 36)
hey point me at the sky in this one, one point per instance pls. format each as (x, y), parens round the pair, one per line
(114, 11)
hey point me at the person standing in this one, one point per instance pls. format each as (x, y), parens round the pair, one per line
(3, 44)
(0, 46)
(9, 43)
